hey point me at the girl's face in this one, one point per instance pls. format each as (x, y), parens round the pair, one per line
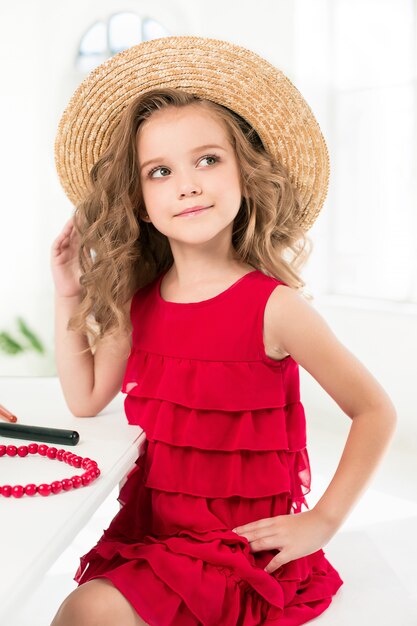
(186, 160)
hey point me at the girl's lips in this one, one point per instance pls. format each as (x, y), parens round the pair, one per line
(190, 213)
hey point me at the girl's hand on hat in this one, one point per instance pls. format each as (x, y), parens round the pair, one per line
(294, 535)
(65, 266)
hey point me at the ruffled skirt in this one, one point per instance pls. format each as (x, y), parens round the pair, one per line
(174, 557)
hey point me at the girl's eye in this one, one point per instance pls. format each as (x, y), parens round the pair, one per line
(211, 156)
(155, 169)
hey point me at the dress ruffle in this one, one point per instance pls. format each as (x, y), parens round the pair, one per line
(224, 474)
(221, 385)
(277, 428)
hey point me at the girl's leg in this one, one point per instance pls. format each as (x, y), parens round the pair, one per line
(96, 603)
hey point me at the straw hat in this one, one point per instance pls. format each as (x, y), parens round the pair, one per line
(220, 71)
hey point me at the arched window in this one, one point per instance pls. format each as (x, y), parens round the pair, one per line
(120, 31)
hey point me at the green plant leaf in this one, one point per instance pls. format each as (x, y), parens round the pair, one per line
(30, 336)
(9, 345)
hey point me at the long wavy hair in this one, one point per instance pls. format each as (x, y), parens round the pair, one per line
(120, 252)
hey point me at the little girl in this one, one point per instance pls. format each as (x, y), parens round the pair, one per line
(196, 169)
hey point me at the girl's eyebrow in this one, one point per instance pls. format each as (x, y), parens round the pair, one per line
(197, 149)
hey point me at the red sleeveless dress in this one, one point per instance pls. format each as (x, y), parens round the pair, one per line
(225, 446)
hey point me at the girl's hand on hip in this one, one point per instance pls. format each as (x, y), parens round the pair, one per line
(65, 265)
(294, 535)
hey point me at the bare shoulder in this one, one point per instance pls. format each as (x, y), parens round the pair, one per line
(295, 327)
(281, 299)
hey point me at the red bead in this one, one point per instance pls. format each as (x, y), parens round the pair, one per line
(17, 491)
(97, 471)
(6, 491)
(56, 486)
(59, 454)
(66, 484)
(76, 481)
(44, 489)
(33, 448)
(22, 450)
(77, 461)
(51, 453)
(2, 450)
(66, 455)
(42, 449)
(11, 450)
(30, 489)
(86, 478)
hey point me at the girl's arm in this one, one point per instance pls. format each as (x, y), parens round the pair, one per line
(297, 328)
(89, 382)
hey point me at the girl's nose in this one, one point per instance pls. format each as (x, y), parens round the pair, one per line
(189, 189)
(187, 183)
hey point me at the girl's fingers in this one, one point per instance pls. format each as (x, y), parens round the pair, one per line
(64, 238)
(60, 241)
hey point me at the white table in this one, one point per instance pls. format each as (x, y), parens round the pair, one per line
(36, 530)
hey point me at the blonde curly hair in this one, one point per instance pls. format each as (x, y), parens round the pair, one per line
(120, 253)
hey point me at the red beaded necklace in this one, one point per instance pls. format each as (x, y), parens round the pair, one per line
(46, 489)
